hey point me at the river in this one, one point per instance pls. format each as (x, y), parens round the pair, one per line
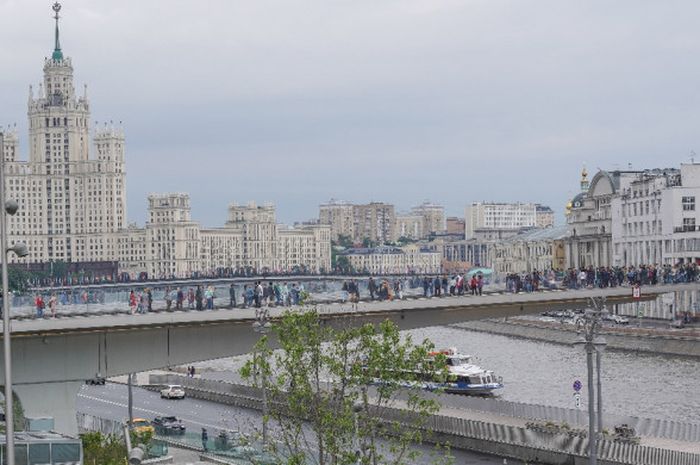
(543, 373)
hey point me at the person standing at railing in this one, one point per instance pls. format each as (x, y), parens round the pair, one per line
(52, 305)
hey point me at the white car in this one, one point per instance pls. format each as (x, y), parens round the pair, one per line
(172, 391)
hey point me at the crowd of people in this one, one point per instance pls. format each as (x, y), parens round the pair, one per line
(262, 294)
(201, 297)
(602, 277)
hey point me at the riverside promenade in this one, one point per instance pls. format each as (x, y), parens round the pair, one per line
(503, 428)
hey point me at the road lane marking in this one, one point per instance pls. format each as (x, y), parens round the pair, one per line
(155, 412)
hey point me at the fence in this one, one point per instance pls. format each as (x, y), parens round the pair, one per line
(653, 427)
(611, 451)
(88, 422)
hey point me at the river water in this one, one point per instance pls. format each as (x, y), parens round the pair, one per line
(543, 373)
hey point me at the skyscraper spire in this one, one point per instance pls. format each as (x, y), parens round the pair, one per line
(57, 53)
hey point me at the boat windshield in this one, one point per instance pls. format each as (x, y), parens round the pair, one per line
(458, 361)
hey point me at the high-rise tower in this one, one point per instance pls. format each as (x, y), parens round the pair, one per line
(70, 204)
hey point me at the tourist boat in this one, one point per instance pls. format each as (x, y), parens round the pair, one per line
(464, 376)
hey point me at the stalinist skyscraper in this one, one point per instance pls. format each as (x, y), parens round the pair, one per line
(71, 205)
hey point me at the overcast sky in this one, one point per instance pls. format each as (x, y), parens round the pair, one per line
(296, 102)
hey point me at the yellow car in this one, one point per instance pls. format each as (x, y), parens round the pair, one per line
(141, 426)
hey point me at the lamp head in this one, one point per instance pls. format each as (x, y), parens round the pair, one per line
(20, 249)
(11, 207)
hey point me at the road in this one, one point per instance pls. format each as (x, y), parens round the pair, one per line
(110, 401)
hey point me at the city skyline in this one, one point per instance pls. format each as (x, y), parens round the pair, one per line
(242, 84)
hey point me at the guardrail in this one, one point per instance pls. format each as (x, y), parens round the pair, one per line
(610, 451)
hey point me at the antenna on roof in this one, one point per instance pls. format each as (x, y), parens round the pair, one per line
(692, 156)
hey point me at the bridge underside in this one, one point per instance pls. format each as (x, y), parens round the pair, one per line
(52, 362)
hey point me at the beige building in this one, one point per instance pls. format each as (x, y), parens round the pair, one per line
(172, 238)
(535, 250)
(340, 216)
(374, 221)
(433, 217)
(72, 205)
(251, 239)
(409, 226)
(544, 216)
(394, 260)
(455, 225)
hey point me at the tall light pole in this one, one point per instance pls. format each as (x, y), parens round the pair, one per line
(588, 326)
(261, 326)
(20, 250)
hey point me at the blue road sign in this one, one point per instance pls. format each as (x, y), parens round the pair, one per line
(577, 385)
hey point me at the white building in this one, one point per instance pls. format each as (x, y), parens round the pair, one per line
(394, 260)
(504, 216)
(655, 218)
(72, 206)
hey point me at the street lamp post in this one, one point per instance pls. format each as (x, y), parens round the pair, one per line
(20, 250)
(262, 325)
(588, 326)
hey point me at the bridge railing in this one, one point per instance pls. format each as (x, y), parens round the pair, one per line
(612, 451)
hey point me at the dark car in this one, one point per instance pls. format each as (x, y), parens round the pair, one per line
(98, 380)
(168, 425)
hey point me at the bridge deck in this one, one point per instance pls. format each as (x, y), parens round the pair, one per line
(469, 308)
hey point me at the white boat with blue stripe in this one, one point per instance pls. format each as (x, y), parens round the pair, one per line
(465, 377)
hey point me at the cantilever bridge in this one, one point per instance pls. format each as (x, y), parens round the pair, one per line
(65, 352)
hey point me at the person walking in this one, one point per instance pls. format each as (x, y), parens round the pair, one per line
(39, 302)
(180, 298)
(372, 287)
(198, 297)
(209, 294)
(132, 301)
(190, 299)
(52, 305)
(205, 439)
(232, 295)
(149, 299)
(168, 299)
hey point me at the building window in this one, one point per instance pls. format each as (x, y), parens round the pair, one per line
(688, 204)
(688, 224)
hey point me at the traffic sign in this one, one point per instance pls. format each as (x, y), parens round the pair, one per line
(636, 292)
(577, 399)
(577, 385)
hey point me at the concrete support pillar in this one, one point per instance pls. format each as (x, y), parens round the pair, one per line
(55, 400)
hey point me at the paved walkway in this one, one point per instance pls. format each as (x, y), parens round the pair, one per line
(517, 303)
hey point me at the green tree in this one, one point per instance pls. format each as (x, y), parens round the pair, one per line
(342, 263)
(100, 449)
(334, 389)
(369, 243)
(344, 241)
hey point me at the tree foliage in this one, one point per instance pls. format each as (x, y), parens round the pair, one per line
(100, 449)
(339, 396)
